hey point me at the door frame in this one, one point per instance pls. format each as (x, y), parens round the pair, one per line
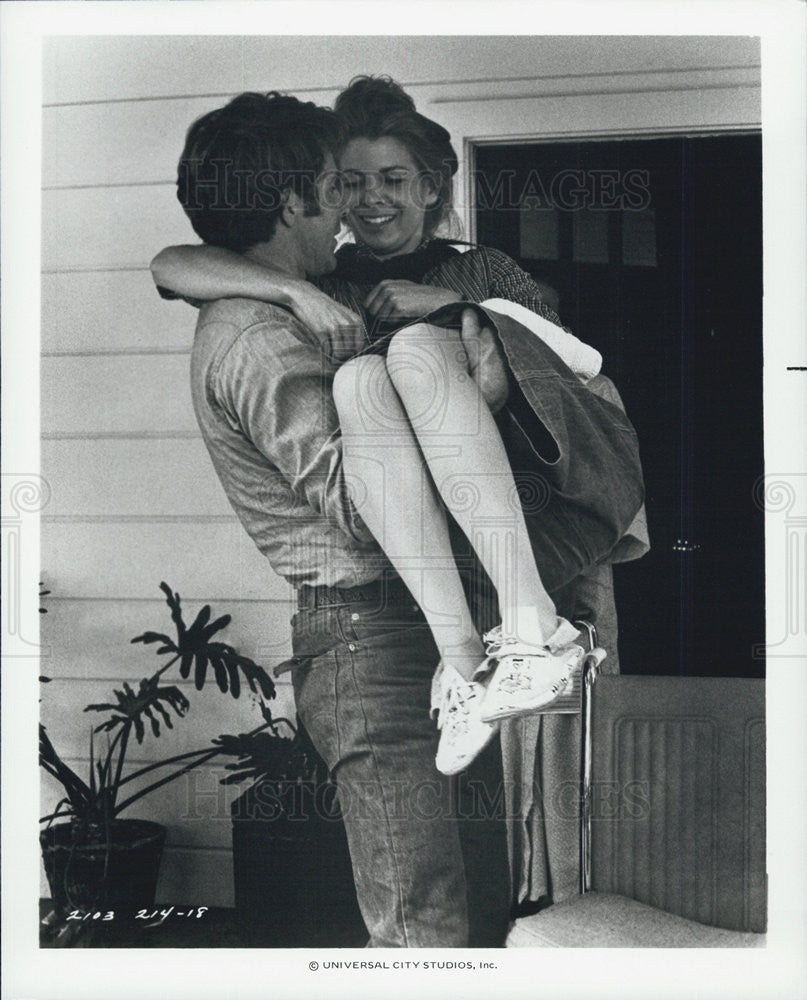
(472, 144)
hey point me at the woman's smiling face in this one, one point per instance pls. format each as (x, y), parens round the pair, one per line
(388, 195)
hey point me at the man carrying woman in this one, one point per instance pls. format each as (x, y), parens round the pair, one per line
(329, 501)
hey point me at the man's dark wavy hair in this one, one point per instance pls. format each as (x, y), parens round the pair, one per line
(376, 107)
(240, 161)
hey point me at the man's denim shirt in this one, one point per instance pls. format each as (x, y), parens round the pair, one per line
(262, 391)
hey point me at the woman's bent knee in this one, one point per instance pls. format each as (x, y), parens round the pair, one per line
(420, 358)
(351, 381)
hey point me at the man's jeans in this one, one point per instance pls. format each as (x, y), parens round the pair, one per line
(363, 696)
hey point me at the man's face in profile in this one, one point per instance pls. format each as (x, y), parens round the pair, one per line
(317, 233)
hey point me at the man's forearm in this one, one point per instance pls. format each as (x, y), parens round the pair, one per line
(206, 273)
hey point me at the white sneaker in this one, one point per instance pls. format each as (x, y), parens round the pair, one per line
(529, 678)
(463, 735)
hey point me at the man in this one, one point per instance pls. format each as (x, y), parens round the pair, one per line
(258, 176)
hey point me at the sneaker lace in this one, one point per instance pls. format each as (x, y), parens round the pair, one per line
(499, 643)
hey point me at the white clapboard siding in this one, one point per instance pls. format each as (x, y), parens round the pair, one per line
(507, 119)
(141, 67)
(92, 638)
(115, 395)
(108, 228)
(94, 478)
(129, 559)
(195, 811)
(211, 713)
(195, 807)
(139, 142)
(119, 128)
(111, 311)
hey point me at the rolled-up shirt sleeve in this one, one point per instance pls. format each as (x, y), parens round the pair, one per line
(278, 390)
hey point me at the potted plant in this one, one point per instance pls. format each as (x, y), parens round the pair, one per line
(292, 872)
(94, 859)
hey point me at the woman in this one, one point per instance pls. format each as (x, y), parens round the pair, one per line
(413, 385)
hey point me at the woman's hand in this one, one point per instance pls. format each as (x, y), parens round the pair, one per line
(204, 273)
(317, 311)
(394, 299)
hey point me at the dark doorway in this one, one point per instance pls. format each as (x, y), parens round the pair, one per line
(654, 249)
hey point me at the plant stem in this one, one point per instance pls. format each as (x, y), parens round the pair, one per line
(162, 670)
(162, 763)
(203, 757)
(164, 781)
(112, 746)
(182, 756)
(276, 722)
(118, 770)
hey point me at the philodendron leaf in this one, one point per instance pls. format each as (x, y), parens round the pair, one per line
(216, 626)
(196, 650)
(256, 677)
(172, 600)
(155, 726)
(195, 633)
(139, 729)
(132, 706)
(222, 677)
(149, 637)
(201, 671)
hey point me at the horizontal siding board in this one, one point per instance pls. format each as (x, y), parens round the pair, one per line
(110, 227)
(131, 478)
(89, 639)
(141, 141)
(75, 134)
(211, 713)
(84, 68)
(129, 560)
(119, 68)
(504, 119)
(111, 311)
(115, 395)
(195, 807)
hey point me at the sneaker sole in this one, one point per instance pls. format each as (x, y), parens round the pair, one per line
(534, 706)
(596, 655)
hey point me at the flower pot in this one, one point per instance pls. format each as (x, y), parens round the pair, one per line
(292, 871)
(87, 871)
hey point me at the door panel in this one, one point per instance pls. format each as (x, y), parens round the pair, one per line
(654, 248)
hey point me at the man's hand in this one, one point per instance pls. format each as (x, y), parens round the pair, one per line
(486, 362)
(393, 299)
(317, 311)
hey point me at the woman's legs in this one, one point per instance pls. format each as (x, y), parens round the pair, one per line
(397, 500)
(462, 447)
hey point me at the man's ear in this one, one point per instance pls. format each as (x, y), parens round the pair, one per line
(292, 205)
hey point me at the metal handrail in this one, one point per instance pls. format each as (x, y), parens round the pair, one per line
(590, 673)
